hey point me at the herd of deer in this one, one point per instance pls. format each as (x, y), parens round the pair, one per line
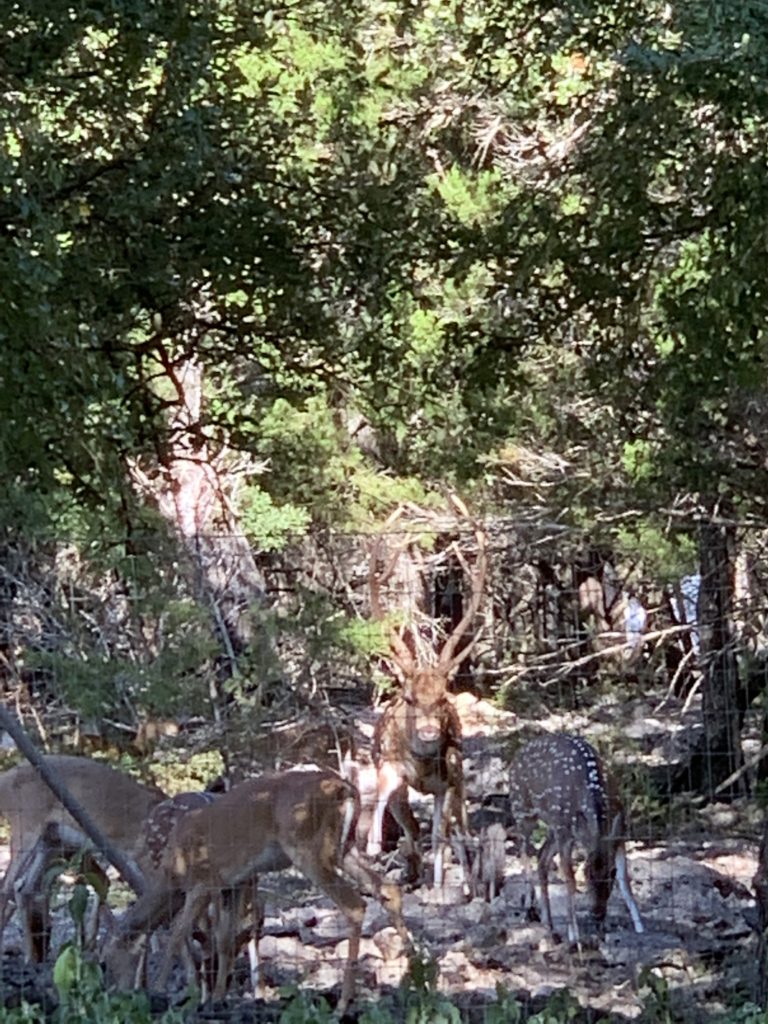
(201, 854)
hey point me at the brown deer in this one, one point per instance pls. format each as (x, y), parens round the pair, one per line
(158, 827)
(212, 924)
(41, 830)
(303, 818)
(560, 780)
(417, 739)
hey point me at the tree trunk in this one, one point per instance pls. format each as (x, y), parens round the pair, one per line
(193, 490)
(760, 883)
(717, 754)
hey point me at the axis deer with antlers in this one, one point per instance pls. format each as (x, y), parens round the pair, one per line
(42, 830)
(417, 739)
(304, 818)
(560, 780)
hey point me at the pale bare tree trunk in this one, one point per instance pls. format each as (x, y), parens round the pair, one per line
(193, 490)
(206, 521)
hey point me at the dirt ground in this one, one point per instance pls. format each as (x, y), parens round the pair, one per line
(691, 871)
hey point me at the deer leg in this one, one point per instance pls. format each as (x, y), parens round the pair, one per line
(458, 811)
(527, 852)
(438, 817)
(404, 816)
(388, 781)
(565, 854)
(34, 909)
(452, 817)
(545, 858)
(7, 893)
(195, 904)
(32, 903)
(20, 864)
(622, 878)
(255, 906)
(350, 903)
(228, 911)
(441, 822)
(196, 970)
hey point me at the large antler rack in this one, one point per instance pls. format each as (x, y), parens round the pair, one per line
(383, 564)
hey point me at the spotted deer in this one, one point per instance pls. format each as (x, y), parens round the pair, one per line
(158, 827)
(560, 780)
(417, 739)
(41, 830)
(303, 818)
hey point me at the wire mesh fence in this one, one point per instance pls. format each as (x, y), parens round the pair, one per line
(659, 665)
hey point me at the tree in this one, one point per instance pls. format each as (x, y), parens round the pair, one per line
(462, 226)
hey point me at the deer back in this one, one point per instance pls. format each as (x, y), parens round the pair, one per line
(118, 804)
(559, 779)
(162, 821)
(255, 826)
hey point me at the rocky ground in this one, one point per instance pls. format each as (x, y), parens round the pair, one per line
(691, 872)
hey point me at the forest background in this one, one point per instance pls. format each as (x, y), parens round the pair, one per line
(278, 278)
(271, 272)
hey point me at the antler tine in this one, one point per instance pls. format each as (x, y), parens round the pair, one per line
(373, 581)
(401, 655)
(459, 505)
(449, 660)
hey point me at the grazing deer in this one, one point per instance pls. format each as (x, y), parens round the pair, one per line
(417, 739)
(41, 830)
(559, 779)
(302, 818)
(158, 829)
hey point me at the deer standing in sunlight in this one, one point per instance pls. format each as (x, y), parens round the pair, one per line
(417, 739)
(213, 855)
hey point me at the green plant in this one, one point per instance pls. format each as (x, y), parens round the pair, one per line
(560, 1007)
(749, 1013)
(304, 1008)
(26, 1013)
(377, 1013)
(506, 1009)
(422, 1002)
(655, 995)
(83, 999)
(180, 775)
(86, 875)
